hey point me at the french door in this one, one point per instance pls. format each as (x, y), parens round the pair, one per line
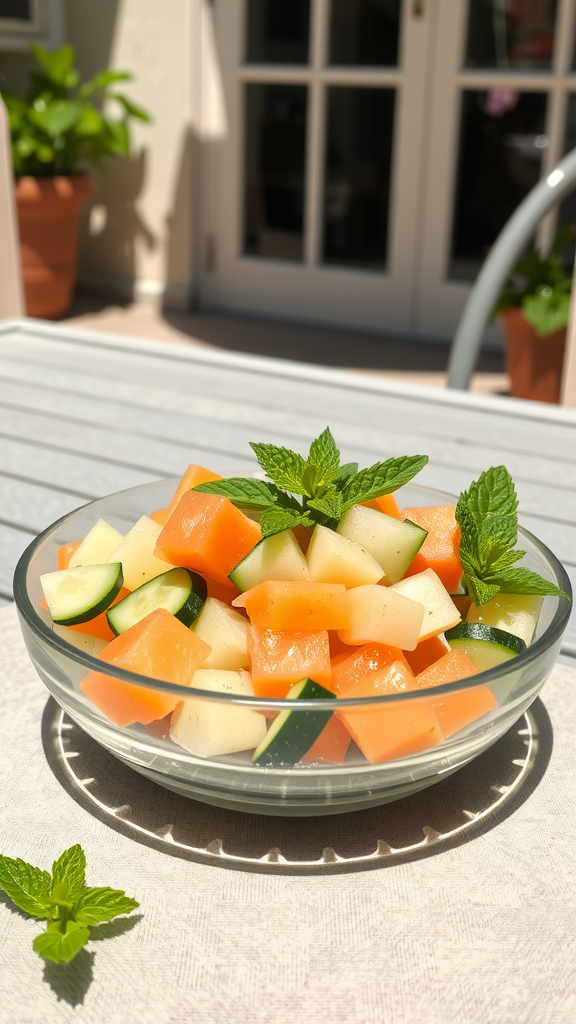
(360, 156)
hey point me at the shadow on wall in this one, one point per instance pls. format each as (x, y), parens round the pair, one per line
(112, 226)
(179, 235)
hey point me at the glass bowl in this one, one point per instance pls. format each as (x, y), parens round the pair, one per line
(232, 781)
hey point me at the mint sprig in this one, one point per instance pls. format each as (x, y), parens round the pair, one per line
(63, 899)
(487, 514)
(304, 492)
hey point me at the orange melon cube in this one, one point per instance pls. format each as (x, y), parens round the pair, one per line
(160, 516)
(332, 744)
(225, 592)
(207, 533)
(349, 670)
(427, 652)
(399, 730)
(456, 710)
(387, 504)
(337, 646)
(193, 476)
(440, 549)
(295, 606)
(462, 603)
(159, 646)
(65, 552)
(99, 625)
(279, 659)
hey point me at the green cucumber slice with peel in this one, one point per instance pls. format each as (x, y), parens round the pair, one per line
(179, 591)
(292, 733)
(485, 645)
(80, 594)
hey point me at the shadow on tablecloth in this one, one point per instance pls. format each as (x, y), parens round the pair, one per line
(454, 811)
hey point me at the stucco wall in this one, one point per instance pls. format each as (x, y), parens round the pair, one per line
(140, 225)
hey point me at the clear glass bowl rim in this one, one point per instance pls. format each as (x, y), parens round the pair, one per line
(46, 635)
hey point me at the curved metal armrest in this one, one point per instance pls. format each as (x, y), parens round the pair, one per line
(509, 245)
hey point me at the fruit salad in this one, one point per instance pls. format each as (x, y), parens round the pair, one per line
(313, 584)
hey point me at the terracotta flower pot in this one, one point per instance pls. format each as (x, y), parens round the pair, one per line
(534, 364)
(48, 221)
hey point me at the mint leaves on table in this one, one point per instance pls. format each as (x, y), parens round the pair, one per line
(63, 899)
(303, 492)
(487, 514)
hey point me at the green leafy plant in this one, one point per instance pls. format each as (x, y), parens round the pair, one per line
(61, 127)
(487, 514)
(540, 286)
(64, 900)
(303, 492)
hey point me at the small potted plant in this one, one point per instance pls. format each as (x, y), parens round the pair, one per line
(535, 306)
(57, 132)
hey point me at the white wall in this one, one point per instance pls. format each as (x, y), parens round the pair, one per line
(140, 227)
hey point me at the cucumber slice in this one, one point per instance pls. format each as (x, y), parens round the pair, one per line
(80, 594)
(486, 645)
(179, 591)
(394, 543)
(275, 558)
(292, 733)
(514, 613)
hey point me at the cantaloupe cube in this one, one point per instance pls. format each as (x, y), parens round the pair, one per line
(427, 652)
(278, 659)
(278, 604)
(209, 534)
(226, 632)
(382, 615)
(456, 710)
(440, 612)
(65, 552)
(136, 552)
(97, 546)
(348, 670)
(396, 730)
(440, 550)
(159, 646)
(210, 728)
(331, 746)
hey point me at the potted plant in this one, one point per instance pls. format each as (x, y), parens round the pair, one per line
(57, 132)
(535, 306)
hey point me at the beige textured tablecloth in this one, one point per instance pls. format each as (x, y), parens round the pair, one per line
(481, 932)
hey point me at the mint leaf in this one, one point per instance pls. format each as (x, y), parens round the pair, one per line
(28, 887)
(98, 904)
(322, 464)
(68, 874)
(284, 467)
(275, 520)
(243, 492)
(348, 469)
(487, 514)
(524, 581)
(61, 947)
(381, 478)
(329, 505)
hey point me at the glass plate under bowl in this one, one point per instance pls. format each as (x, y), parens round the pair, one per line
(232, 781)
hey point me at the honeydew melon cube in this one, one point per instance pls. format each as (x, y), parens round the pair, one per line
(380, 615)
(393, 543)
(83, 641)
(97, 546)
(136, 552)
(514, 613)
(440, 612)
(278, 557)
(335, 559)
(210, 728)
(226, 632)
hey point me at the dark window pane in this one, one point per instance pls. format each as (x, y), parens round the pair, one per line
(501, 145)
(567, 212)
(511, 34)
(364, 32)
(360, 125)
(275, 151)
(278, 31)
(18, 9)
